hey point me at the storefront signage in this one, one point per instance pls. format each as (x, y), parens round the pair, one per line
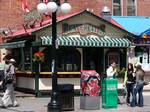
(83, 29)
(142, 41)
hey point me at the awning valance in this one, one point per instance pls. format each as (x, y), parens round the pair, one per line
(88, 41)
(13, 44)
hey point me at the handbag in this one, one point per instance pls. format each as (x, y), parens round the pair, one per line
(146, 83)
(9, 78)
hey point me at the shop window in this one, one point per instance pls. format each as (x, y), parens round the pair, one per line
(68, 59)
(16, 55)
(117, 7)
(113, 57)
(131, 7)
(27, 63)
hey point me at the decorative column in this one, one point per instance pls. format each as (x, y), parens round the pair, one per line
(38, 58)
(37, 73)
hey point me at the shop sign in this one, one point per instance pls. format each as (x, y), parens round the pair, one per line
(142, 41)
(83, 29)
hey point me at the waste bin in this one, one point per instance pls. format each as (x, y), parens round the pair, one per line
(66, 96)
(109, 93)
(90, 89)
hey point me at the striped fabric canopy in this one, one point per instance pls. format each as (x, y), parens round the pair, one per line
(88, 41)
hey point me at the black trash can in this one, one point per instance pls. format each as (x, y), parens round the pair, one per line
(66, 96)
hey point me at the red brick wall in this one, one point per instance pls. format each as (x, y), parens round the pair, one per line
(11, 12)
(143, 8)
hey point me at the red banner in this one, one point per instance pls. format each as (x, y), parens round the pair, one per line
(25, 6)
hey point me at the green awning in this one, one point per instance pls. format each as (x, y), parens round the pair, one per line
(88, 41)
(13, 45)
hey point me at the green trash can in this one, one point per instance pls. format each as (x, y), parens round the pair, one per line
(109, 93)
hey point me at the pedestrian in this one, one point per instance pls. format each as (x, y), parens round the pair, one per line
(111, 73)
(129, 81)
(111, 70)
(9, 81)
(2, 66)
(138, 87)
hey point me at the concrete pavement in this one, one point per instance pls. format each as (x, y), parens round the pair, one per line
(33, 104)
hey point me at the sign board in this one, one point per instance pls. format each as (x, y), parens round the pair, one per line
(82, 29)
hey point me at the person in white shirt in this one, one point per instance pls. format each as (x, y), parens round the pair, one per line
(111, 71)
(9, 92)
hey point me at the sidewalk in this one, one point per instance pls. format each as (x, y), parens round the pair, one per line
(29, 103)
(32, 104)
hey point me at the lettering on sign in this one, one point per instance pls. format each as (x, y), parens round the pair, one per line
(82, 29)
(111, 87)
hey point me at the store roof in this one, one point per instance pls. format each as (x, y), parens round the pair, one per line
(60, 18)
(134, 24)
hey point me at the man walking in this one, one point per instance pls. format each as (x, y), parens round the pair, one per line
(10, 71)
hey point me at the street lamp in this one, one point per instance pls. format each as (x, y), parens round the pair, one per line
(52, 7)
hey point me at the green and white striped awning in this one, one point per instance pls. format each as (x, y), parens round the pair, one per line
(88, 41)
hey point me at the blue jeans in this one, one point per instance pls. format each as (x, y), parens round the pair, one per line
(129, 91)
(139, 90)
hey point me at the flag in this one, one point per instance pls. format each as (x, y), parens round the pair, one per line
(45, 1)
(25, 6)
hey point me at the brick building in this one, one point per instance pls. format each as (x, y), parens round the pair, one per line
(11, 11)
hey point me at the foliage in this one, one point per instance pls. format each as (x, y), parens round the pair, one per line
(120, 72)
(38, 57)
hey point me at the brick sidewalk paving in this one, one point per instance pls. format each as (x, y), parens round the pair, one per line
(32, 104)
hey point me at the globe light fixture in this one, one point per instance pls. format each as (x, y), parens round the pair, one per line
(54, 8)
(65, 8)
(51, 7)
(41, 7)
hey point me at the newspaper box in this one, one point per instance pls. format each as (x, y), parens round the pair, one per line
(109, 93)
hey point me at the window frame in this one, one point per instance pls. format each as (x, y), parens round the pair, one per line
(121, 8)
(135, 5)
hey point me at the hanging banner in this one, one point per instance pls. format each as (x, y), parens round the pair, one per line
(25, 6)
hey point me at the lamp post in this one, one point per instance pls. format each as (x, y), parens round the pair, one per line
(52, 7)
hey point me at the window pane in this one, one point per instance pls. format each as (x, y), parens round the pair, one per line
(117, 7)
(131, 8)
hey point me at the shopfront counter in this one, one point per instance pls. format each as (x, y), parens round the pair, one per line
(42, 82)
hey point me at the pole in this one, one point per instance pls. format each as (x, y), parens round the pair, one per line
(54, 105)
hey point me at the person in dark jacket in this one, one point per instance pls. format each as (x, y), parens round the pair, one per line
(138, 88)
(129, 81)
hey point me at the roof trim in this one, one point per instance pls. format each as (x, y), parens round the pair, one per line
(87, 12)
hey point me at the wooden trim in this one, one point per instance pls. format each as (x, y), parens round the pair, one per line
(48, 74)
(28, 72)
